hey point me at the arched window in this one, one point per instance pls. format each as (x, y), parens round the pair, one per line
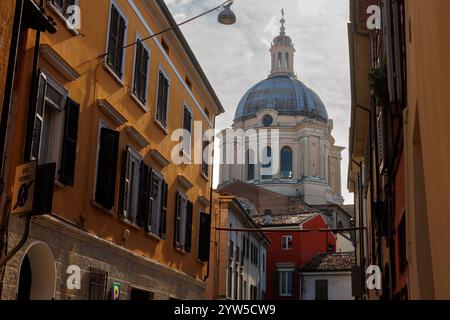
(286, 163)
(250, 161)
(267, 163)
(279, 60)
(286, 55)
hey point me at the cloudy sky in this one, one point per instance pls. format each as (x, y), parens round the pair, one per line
(236, 57)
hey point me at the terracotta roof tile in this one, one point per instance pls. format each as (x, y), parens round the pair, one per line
(330, 262)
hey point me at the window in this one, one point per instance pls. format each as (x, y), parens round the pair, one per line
(131, 178)
(238, 252)
(63, 5)
(55, 128)
(253, 292)
(236, 279)
(105, 190)
(183, 223)
(264, 262)
(286, 163)
(286, 280)
(116, 41)
(230, 282)
(231, 250)
(98, 280)
(141, 65)
(267, 164)
(204, 237)
(153, 193)
(141, 295)
(245, 290)
(254, 254)
(250, 165)
(205, 154)
(162, 99)
(321, 290)
(267, 120)
(241, 287)
(187, 133)
(286, 242)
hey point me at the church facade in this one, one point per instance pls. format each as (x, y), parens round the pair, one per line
(309, 161)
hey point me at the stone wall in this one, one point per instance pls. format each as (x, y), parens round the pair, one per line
(71, 246)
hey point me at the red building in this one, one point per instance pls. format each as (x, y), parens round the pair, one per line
(291, 250)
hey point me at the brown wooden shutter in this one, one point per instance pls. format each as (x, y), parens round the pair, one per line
(107, 168)
(162, 226)
(39, 116)
(204, 237)
(189, 217)
(144, 194)
(177, 221)
(143, 75)
(69, 150)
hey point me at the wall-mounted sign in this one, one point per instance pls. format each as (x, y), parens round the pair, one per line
(23, 192)
(115, 291)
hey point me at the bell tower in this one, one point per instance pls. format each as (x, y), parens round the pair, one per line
(282, 51)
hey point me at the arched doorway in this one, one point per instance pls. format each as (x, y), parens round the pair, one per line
(37, 280)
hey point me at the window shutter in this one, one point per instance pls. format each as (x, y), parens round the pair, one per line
(293, 282)
(69, 151)
(112, 43)
(189, 216)
(143, 75)
(177, 221)
(150, 199)
(204, 237)
(125, 182)
(162, 226)
(120, 45)
(144, 195)
(137, 69)
(39, 116)
(107, 167)
(277, 283)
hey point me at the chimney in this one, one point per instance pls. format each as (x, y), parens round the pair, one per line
(267, 216)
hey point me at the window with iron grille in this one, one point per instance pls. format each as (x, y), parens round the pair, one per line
(141, 65)
(116, 41)
(98, 280)
(162, 103)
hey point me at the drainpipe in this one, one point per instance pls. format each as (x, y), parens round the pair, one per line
(210, 200)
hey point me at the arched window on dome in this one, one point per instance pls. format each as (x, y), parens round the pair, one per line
(267, 163)
(250, 161)
(279, 59)
(286, 163)
(287, 60)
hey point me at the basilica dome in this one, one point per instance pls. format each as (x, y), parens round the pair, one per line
(284, 94)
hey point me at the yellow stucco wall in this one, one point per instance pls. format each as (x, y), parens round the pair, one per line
(427, 126)
(95, 82)
(7, 9)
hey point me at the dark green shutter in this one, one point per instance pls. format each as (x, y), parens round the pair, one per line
(39, 116)
(162, 226)
(177, 219)
(69, 149)
(204, 237)
(276, 284)
(125, 183)
(112, 42)
(120, 45)
(137, 69)
(107, 168)
(144, 187)
(151, 200)
(189, 217)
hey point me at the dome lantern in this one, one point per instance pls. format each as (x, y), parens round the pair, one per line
(282, 52)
